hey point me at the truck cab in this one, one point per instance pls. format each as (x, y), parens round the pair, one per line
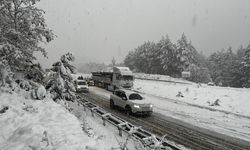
(118, 77)
(122, 77)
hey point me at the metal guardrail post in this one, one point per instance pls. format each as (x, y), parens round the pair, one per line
(84, 107)
(120, 131)
(92, 112)
(150, 141)
(104, 118)
(103, 121)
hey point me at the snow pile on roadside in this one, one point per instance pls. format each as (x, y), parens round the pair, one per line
(33, 124)
(160, 77)
(106, 137)
(30, 124)
(234, 100)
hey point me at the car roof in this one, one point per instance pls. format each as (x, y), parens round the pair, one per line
(128, 92)
(81, 81)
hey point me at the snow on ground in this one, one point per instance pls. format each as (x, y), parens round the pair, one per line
(160, 78)
(106, 137)
(235, 100)
(33, 124)
(225, 123)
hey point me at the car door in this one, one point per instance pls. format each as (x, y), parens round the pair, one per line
(116, 98)
(123, 99)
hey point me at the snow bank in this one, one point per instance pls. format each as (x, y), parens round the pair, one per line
(34, 124)
(160, 78)
(106, 137)
(234, 100)
(29, 124)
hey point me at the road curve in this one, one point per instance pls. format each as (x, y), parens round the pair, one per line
(180, 132)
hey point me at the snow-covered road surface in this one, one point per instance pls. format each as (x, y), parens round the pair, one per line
(228, 124)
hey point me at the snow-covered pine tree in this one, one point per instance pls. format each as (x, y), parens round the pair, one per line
(185, 53)
(167, 56)
(130, 61)
(60, 83)
(246, 67)
(144, 57)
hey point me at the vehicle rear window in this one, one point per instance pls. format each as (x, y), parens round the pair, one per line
(127, 77)
(135, 96)
(81, 83)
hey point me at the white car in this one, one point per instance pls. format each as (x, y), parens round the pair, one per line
(82, 86)
(131, 102)
(211, 84)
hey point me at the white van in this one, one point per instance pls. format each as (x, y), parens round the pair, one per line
(82, 86)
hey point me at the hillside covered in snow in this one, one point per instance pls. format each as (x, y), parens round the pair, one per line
(26, 124)
(235, 100)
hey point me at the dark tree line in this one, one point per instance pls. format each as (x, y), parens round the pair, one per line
(230, 69)
(224, 67)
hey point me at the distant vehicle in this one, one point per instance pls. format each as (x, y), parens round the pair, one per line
(82, 86)
(120, 77)
(91, 83)
(80, 78)
(211, 84)
(131, 102)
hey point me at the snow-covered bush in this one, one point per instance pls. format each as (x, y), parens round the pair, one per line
(35, 73)
(60, 82)
(39, 93)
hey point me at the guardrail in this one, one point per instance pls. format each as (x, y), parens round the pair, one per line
(148, 139)
(180, 82)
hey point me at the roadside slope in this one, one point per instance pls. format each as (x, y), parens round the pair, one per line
(34, 124)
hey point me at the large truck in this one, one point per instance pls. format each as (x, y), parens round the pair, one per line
(119, 77)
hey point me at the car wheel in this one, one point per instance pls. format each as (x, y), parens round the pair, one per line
(128, 110)
(112, 105)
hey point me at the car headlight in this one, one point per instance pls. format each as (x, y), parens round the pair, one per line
(136, 106)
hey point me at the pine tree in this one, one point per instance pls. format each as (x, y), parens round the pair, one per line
(246, 67)
(224, 68)
(143, 57)
(61, 83)
(130, 61)
(185, 53)
(167, 56)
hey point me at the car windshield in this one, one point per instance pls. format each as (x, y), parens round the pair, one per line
(81, 83)
(127, 77)
(135, 96)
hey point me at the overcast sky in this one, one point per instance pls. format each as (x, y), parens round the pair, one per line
(97, 30)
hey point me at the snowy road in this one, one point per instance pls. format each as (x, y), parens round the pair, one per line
(182, 132)
(196, 112)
